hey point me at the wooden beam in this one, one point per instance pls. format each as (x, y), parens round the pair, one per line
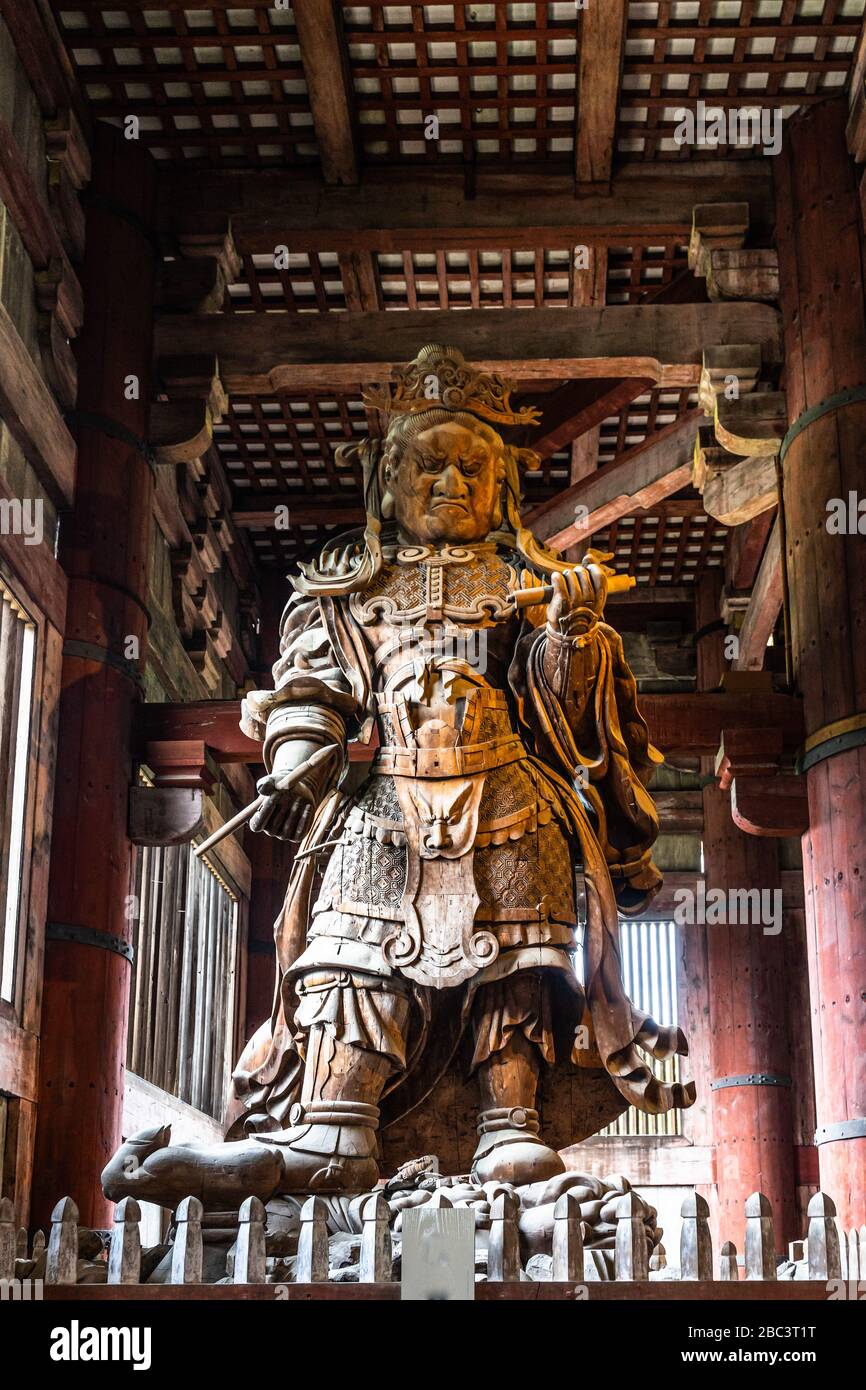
(319, 32)
(601, 49)
(404, 209)
(765, 801)
(689, 725)
(29, 411)
(745, 490)
(21, 196)
(654, 469)
(35, 566)
(260, 354)
(746, 545)
(763, 609)
(856, 131)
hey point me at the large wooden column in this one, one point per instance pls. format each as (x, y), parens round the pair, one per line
(748, 1018)
(105, 553)
(746, 1012)
(819, 240)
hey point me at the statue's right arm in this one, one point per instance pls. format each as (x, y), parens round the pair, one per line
(307, 710)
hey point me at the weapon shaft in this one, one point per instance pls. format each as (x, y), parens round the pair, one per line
(526, 598)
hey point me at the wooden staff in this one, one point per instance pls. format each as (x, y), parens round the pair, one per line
(526, 598)
(248, 812)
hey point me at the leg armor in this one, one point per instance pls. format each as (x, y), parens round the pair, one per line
(513, 1037)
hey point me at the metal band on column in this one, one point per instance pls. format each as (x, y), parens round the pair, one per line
(831, 739)
(854, 1128)
(87, 936)
(753, 1078)
(838, 401)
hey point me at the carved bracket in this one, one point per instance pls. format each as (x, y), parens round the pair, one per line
(765, 800)
(734, 464)
(164, 815)
(717, 255)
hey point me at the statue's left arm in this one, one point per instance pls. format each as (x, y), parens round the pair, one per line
(579, 699)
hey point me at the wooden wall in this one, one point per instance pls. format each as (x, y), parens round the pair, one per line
(39, 583)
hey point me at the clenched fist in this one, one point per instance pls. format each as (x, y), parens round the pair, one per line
(294, 788)
(578, 600)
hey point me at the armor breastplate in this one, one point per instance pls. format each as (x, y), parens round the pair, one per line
(441, 633)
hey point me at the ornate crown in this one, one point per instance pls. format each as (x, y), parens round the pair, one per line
(441, 376)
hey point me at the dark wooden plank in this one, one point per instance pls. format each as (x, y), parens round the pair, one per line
(412, 209)
(788, 1291)
(43, 56)
(263, 353)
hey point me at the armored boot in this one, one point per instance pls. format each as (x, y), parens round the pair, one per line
(329, 1147)
(509, 1146)
(331, 1144)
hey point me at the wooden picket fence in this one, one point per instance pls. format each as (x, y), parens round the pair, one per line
(829, 1253)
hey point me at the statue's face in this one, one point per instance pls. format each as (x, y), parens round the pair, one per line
(445, 485)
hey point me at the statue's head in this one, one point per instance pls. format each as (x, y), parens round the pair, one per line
(442, 477)
(443, 474)
(443, 464)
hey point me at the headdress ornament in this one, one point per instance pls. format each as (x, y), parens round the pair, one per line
(441, 376)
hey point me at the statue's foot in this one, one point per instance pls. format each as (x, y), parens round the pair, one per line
(330, 1147)
(222, 1176)
(510, 1150)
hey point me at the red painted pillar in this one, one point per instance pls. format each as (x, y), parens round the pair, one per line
(105, 552)
(820, 242)
(750, 1096)
(751, 1085)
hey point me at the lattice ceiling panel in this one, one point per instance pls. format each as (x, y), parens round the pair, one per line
(220, 84)
(498, 78)
(285, 445)
(475, 278)
(644, 416)
(774, 54)
(209, 83)
(673, 543)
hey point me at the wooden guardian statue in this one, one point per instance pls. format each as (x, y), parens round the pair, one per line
(427, 998)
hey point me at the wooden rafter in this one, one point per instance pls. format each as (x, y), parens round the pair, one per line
(654, 470)
(602, 45)
(763, 610)
(578, 407)
(319, 35)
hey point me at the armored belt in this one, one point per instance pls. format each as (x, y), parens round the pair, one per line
(463, 761)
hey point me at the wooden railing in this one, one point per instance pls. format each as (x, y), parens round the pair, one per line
(830, 1257)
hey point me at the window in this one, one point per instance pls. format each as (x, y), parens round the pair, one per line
(181, 1033)
(17, 664)
(649, 971)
